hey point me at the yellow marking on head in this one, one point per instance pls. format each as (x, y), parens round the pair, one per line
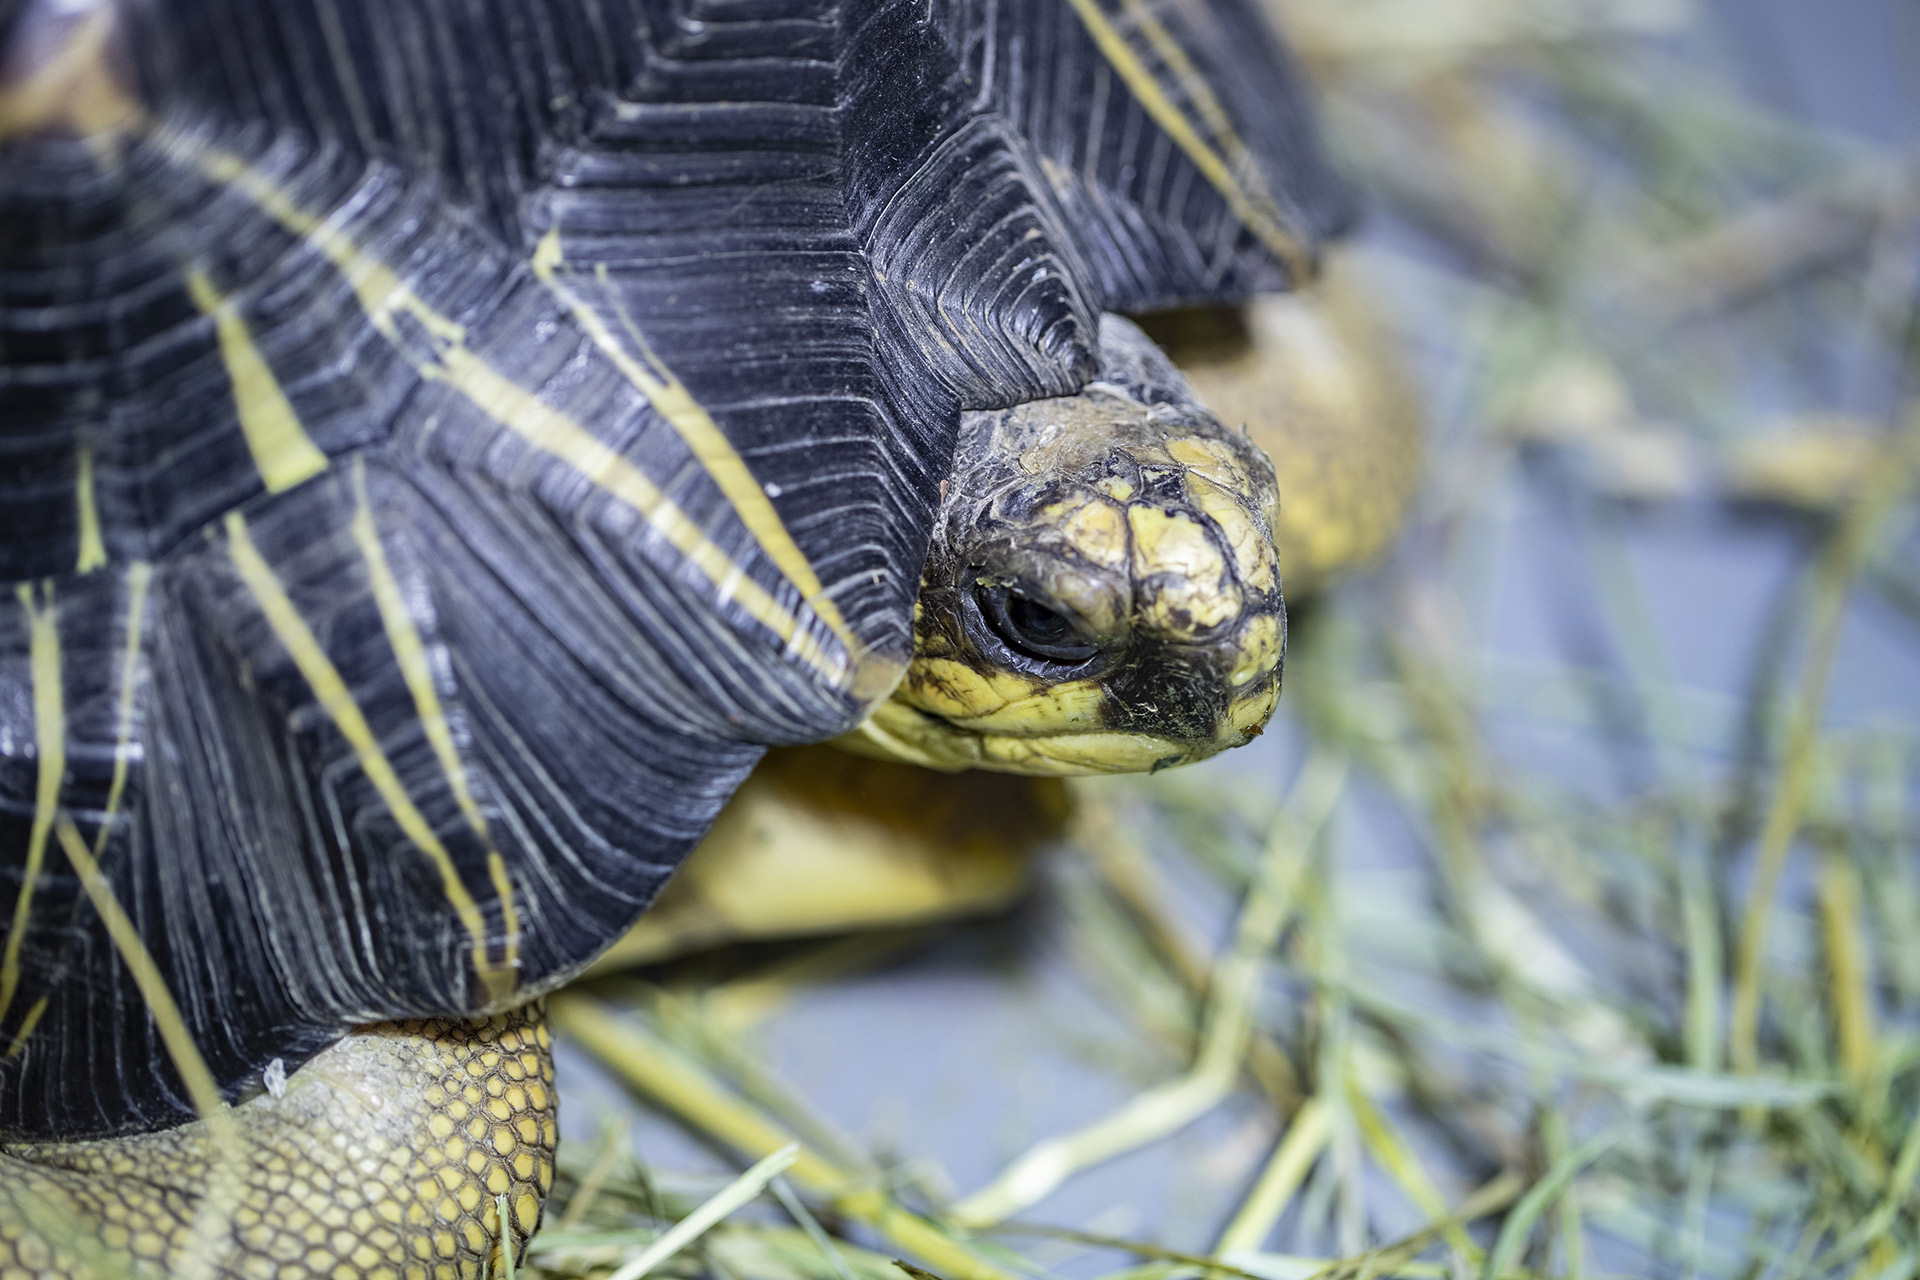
(951, 716)
(28, 1025)
(383, 295)
(93, 551)
(998, 701)
(212, 1221)
(283, 452)
(337, 700)
(1098, 531)
(1198, 592)
(1250, 714)
(1082, 754)
(50, 745)
(1253, 553)
(1213, 459)
(1254, 207)
(74, 89)
(139, 579)
(955, 691)
(1259, 650)
(1051, 709)
(1116, 488)
(897, 731)
(697, 429)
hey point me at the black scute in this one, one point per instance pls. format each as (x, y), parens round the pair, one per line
(1153, 230)
(837, 225)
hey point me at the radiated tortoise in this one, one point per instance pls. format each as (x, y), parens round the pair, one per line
(443, 445)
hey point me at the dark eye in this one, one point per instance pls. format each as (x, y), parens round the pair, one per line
(1033, 628)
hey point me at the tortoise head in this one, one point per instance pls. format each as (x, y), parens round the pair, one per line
(1101, 595)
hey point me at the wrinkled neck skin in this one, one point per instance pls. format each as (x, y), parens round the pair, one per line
(1101, 594)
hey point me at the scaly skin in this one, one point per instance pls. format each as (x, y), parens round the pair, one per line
(383, 1158)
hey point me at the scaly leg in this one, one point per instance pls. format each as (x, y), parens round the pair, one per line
(384, 1157)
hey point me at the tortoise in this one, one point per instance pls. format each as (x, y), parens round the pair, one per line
(446, 445)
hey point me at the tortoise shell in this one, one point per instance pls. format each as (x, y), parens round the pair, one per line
(443, 444)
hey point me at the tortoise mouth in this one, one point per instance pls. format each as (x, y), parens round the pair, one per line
(1062, 730)
(899, 732)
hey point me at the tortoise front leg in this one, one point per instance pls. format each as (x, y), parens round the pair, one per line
(385, 1156)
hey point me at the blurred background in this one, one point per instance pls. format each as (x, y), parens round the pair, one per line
(1567, 919)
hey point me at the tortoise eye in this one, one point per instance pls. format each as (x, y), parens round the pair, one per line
(1032, 627)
